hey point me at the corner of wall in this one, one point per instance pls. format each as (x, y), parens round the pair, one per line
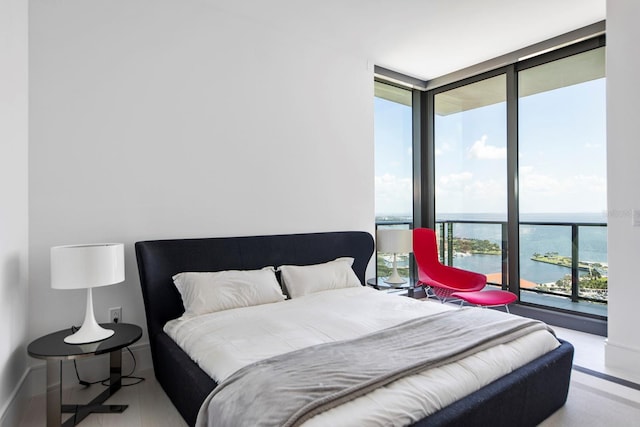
(623, 360)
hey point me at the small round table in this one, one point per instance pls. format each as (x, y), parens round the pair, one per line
(54, 350)
(408, 288)
(380, 284)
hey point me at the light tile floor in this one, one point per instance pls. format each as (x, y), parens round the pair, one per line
(592, 401)
(589, 349)
(589, 353)
(149, 406)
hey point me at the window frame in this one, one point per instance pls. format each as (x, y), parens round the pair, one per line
(424, 147)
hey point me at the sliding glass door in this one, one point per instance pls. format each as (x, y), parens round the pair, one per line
(470, 146)
(562, 182)
(519, 177)
(393, 135)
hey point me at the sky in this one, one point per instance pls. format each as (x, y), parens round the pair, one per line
(562, 155)
(393, 158)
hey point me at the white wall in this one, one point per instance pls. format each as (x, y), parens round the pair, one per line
(623, 154)
(13, 197)
(172, 118)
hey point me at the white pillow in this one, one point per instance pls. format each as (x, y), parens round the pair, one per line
(301, 280)
(223, 290)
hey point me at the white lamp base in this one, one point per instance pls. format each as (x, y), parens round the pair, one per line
(395, 278)
(90, 331)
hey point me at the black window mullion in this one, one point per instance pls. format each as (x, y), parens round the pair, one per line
(513, 210)
(429, 193)
(420, 169)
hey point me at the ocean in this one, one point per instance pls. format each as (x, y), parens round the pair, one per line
(534, 238)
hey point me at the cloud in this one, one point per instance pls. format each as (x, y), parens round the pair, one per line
(480, 150)
(525, 170)
(533, 181)
(592, 145)
(442, 148)
(455, 179)
(394, 195)
(591, 183)
(461, 192)
(569, 193)
(539, 183)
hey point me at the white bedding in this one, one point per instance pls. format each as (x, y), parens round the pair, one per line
(225, 341)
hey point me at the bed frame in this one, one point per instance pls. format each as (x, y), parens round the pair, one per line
(524, 398)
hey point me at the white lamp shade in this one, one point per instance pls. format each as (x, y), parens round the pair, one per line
(87, 266)
(394, 240)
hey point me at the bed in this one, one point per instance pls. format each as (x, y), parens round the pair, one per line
(523, 397)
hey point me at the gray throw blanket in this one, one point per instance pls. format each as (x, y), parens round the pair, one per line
(288, 389)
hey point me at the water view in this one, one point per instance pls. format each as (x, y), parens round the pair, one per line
(545, 250)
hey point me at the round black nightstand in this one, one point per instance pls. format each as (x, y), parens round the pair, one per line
(380, 284)
(407, 289)
(54, 350)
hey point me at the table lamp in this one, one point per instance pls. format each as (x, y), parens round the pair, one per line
(394, 241)
(87, 266)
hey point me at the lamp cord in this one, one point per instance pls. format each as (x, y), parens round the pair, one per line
(105, 382)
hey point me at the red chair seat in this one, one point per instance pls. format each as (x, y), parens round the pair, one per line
(487, 298)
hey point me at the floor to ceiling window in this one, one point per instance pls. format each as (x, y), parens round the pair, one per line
(539, 123)
(393, 135)
(470, 146)
(562, 182)
(510, 170)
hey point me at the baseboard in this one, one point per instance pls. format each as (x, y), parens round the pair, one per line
(33, 381)
(13, 409)
(623, 360)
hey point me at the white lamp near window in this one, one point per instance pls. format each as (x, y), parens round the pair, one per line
(394, 241)
(87, 266)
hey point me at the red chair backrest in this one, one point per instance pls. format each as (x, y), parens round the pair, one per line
(425, 249)
(433, 273)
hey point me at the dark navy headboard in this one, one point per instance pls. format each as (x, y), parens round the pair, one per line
(159, 260)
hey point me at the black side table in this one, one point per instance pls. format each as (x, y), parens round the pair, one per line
(406, 289)
(54, 350)
(380, 284)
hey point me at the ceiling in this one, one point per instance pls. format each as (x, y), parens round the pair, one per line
(423, 38)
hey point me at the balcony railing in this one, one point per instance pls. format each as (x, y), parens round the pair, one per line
(591, 285)
(557, 259)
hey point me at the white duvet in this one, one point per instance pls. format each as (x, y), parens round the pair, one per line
(223, 342)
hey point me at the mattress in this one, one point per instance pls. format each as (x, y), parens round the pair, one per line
(223, 342)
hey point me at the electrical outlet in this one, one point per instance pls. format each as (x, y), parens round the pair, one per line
(115, 314)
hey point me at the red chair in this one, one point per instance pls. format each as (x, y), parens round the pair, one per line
(442, 279)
